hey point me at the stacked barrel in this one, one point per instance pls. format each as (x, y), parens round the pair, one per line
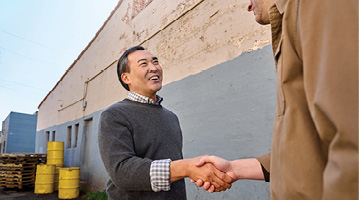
(54, 176)
(47, 176)
(55, 156)
(69, 187)
(44, 183)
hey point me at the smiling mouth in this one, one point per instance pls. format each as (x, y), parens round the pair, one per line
(154, 78)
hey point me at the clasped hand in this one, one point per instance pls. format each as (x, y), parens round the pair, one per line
(212, 173)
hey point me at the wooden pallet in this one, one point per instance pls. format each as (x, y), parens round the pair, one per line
(11, 172)
(32, 155)
(10, 176)
(18, 170)
(10, 182)
(22, 157)
(5, 169)
(10, 165)
(14, 179)
(12, 185)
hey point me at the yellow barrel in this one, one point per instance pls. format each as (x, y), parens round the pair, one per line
(44, 182)
(56, 179)
(55, 153)
(69, 183)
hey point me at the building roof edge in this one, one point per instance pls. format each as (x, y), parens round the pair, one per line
(83, 51)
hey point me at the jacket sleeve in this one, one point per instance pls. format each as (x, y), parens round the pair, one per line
(328, 37)
(126, 170)
(265, 164)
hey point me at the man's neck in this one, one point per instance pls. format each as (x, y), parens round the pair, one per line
(143, 98)
(153, 97)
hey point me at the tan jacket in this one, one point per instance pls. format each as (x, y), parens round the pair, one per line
(314, 151)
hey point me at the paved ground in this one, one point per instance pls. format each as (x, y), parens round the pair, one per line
(27, 194)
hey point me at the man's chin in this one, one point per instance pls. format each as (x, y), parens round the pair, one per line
(156, 89)
(261, 21)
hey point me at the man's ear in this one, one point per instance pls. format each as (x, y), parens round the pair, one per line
(125, 78)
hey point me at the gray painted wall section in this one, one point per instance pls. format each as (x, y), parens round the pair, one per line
(226, 111)
(21, 132)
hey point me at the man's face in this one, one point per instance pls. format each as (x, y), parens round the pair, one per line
(145, 76)
(260, 10)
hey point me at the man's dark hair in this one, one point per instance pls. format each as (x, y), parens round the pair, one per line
(122, 65)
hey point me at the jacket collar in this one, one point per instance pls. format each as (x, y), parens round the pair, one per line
(281, 5)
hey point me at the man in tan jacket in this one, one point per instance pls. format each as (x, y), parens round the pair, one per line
(315, 136)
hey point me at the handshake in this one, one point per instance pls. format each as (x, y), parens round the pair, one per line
(215, 174)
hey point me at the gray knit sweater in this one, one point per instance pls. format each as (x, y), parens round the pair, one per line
(131, 136)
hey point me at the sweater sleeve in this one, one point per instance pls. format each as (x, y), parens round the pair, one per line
(126, 170)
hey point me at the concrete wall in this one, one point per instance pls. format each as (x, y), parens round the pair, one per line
(228, 111)
(188, 35)
(81, 151)
(19, 133)
(223, 96)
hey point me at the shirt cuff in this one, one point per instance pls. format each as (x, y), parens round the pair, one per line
(160, 175)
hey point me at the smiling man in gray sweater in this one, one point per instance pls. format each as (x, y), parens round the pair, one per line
(140, 141)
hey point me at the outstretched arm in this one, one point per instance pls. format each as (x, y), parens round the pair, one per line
(116, 141)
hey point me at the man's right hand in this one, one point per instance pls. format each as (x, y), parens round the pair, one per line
(214, 176)
(221, 164)
(249, 168)
(206, 172)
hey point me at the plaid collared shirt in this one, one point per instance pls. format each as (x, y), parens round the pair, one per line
(160, 169)
(133, 96)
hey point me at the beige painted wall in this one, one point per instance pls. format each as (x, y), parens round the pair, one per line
(188, 36)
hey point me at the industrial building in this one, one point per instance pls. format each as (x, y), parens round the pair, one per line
(18, 133)
(219, 78)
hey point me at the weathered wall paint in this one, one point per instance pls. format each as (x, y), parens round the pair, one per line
(189, 36)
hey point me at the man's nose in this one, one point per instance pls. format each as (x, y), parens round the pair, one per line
(152, 67)
(249, 6)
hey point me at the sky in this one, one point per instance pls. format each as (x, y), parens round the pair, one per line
(39, 40)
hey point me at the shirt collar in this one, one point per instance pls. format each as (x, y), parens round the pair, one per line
(133, 96)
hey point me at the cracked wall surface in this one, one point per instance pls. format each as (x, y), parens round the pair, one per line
(188, 36)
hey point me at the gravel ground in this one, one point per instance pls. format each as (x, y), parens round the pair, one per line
(27, 194)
